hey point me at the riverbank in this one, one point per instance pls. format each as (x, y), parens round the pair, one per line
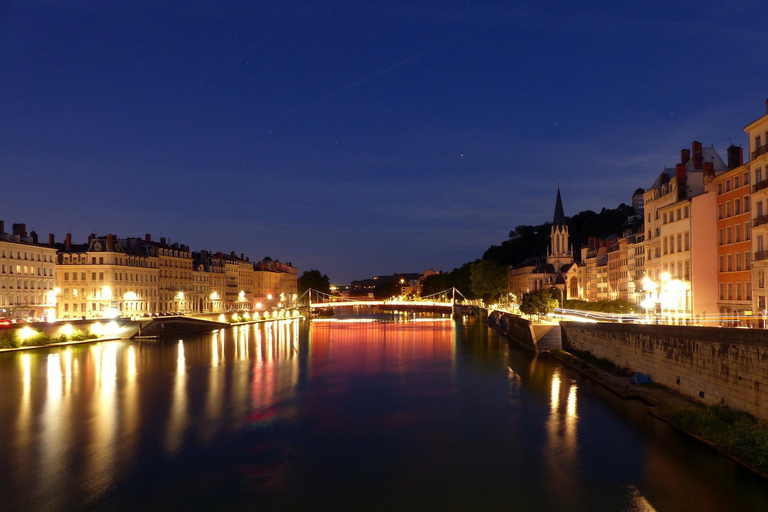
(60, 344)
(736, 435)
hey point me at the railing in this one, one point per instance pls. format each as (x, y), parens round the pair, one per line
(760, 185)
(762, 219)
(761, 255)
(760, 151)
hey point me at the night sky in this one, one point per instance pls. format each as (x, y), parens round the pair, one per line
(358, 138)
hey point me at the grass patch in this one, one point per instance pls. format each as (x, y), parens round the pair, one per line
(11, 339)
(736, 432)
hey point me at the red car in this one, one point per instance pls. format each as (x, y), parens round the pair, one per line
(4, 322)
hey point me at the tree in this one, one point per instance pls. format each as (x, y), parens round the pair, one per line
(315, 280)
(538, 302)
(387, 289)
(489, 279)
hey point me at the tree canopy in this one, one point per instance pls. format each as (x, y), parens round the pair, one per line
(315, 280)
(527, 242)
(489, 279)
(538, 302)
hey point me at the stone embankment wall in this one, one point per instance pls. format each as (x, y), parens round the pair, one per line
(711, 365)
(516, 328)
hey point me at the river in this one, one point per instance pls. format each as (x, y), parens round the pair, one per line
(379, 412)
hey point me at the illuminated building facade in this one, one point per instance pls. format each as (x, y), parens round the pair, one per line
(669, 230)
(104, 278)
(274, 279)
(212, 265)
(27, 275)
(734, 242)
(175, 279)
(758, 170)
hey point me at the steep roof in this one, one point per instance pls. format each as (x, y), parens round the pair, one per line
(559, 219)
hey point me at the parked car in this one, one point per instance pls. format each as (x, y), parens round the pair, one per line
(4, 322)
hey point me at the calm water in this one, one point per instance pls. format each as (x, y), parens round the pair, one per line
(391, 413)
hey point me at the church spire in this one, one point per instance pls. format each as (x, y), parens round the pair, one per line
(559, 219)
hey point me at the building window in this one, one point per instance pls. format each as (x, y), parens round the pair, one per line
(747, 260)
(720, 266)
(679, 242)
(719, 188)
(738, 261)
(737, 206)
(729, 260)
(738, 291)
(728, 233)
(738, 232)
(728, 211)
(722, 291)
(664, 219)
(720, 211)
(687, 270)
(665, 245)
(746, 203)
(758, 175)
(761, 279)
(730, 291)
(736, 182)
(720, 236)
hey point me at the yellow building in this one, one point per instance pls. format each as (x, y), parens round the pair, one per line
(213, 266)
(27, 275)
(104, 279)
(274, 282)
(176, 281)
(758, 169)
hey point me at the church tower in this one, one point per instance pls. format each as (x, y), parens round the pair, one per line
(560, 253)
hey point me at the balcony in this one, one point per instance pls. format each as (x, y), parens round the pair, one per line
(760, 185)
(760, 151)
(761, 255)
(759, 221)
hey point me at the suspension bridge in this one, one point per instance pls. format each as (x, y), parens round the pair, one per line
(445, 299)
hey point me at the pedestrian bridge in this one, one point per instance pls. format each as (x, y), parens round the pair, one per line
(444, 299)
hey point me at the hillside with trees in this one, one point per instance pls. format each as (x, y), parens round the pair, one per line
(527, 242)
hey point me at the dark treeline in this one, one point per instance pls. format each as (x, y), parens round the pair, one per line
(526, 242)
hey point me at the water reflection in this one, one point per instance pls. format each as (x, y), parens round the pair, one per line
(561, 449)
(178, 415)
(290, 415)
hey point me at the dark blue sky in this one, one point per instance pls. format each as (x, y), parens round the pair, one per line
(358, 138)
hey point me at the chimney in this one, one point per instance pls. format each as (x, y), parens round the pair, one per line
(685, 155)
(51, 240)
(766, 106)
(148, 237)
(20, 230)
(220, 255)
(91, 237)
(69, 241)
(110, 243)
(709, 171)
(33, 234)
(162, 240)
(735, 156)
(233, 254)
(682, 188)
(2, 227)
(242, 256)
(697, 155)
